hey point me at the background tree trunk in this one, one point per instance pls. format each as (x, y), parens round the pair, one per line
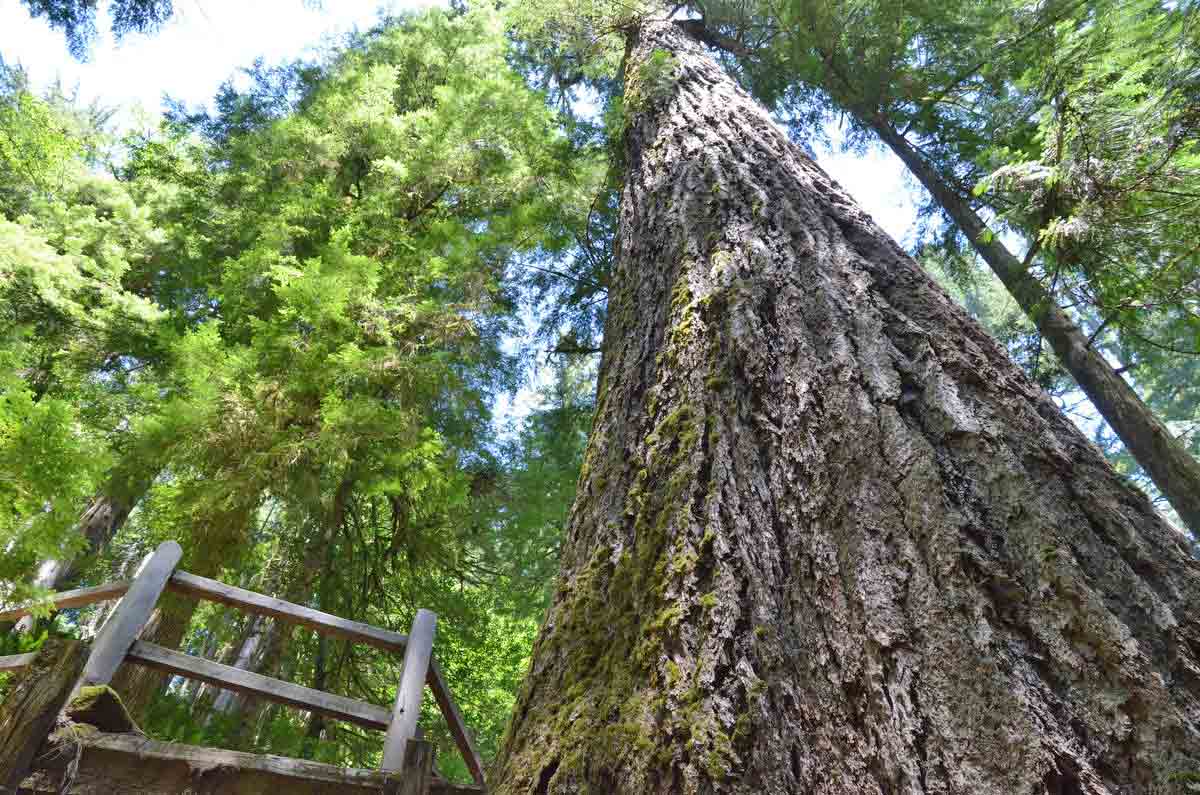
(1173, 469)
(31, 704)
(100, 521)
(316, 721)
(828, 537)
(105, 515)
(245, 736)
(247, 659)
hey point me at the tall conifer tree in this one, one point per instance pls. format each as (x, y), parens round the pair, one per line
(828, 537)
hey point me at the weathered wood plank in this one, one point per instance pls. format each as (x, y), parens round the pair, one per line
(325, 623)
(76, 598)
(454, 719)
(125, 764)
(407, 708)
(242, 681)
(32, 704)
(127, 620)
(13, 662)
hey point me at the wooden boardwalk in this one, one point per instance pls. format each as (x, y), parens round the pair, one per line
(129, 762)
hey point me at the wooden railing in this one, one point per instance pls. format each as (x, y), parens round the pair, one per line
(118, 641)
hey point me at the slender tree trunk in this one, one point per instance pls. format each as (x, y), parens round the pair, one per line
(195, 691)
(246, 659)
(317, 558)
(103, 518)
(1173, 469)
(318, 561)
(316, 721)
(829, 539)
(274, 650)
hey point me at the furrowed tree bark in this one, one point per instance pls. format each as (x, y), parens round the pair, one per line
(828, 538)
(1173, 469)
(31, 705)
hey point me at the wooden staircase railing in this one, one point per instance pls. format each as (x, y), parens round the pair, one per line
(118, 642)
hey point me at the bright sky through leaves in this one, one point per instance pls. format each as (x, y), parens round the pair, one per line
(207, 41)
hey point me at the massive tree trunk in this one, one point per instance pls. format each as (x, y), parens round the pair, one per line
(1165, 459)
(828, 537)
(1173, 469)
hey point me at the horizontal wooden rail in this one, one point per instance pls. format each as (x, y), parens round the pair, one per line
(326, 623)
(238, 680)
(76, 598)
(13, 662)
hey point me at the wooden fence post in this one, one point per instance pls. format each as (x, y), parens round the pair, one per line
(31, 707)
(127, 620)
(407, 709)
(417, 770)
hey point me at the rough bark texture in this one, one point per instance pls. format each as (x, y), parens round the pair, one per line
(98, 524)
(31, 706)
(1173, 469)
(829, 539)
(103, 518)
